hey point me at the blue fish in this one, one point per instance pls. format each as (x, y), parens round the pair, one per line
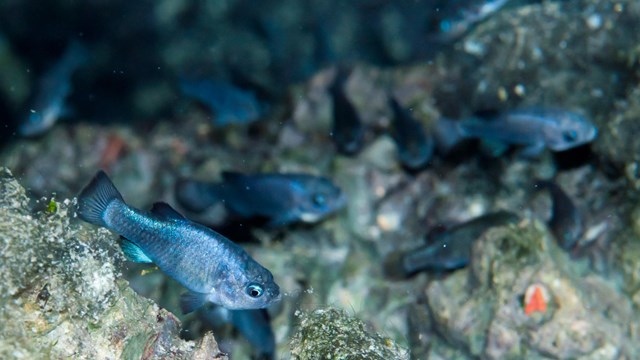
(281, 198)
(229, 104)
(466, 16)
(348, 131)
(566, 221)
(254, 325)
(533, 128)
(48, 102)
(415, 147)
(210, 266)
(445, 250)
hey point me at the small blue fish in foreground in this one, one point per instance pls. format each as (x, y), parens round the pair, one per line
(48, 102)
(229, 104)
(566, 221)
(348, 131)
(415, 148)
(281, 198)
(446, 250)
(254, 325)
(533, 128)
(210, 266)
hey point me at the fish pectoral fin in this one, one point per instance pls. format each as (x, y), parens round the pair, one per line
(165, 210)
(191, 301)
(280, 221)
(532, 151)
(133, 252)
(493, 148)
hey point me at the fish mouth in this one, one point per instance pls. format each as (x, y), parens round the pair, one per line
(277, 298)
(593, 133)
(310, 217)
(276, 295)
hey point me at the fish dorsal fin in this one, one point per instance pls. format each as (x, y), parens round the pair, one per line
(434, 233)
(493, 148)
(165, 210)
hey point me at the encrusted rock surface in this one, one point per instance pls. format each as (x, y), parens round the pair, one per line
(62, 297)
(333, 334)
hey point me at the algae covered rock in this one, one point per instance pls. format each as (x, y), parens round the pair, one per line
(537, 54)
(332, 334)
(61, 295)
(619, 140)
(485, 309)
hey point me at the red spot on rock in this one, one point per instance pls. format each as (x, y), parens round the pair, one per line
(535, 299)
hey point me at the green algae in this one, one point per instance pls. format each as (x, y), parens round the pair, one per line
(52, 207)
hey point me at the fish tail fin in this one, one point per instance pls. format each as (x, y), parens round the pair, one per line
(394, 267)
(196, 196)
(339, 81)
(447, 134)
(95, 198)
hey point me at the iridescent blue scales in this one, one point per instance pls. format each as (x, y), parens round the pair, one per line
(210, 266)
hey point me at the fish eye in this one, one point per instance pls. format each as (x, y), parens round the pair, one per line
(570, 135)
(319, 200)
(255, 290)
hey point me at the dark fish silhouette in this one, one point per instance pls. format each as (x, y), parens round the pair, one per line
(281, 198)
(348, 131)
(566, 221)
(254, 325)
(445, 250)
(533, 128)
(415, 147)
(48, 104)
(229, 104)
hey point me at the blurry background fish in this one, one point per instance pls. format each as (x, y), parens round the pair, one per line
(415, 145)
(533, 128)
(229, 104)
(445, 249)
(132, 80)
(347, 130)
(253, 325)
(49, 100)
(462, 15)
(278, 198)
